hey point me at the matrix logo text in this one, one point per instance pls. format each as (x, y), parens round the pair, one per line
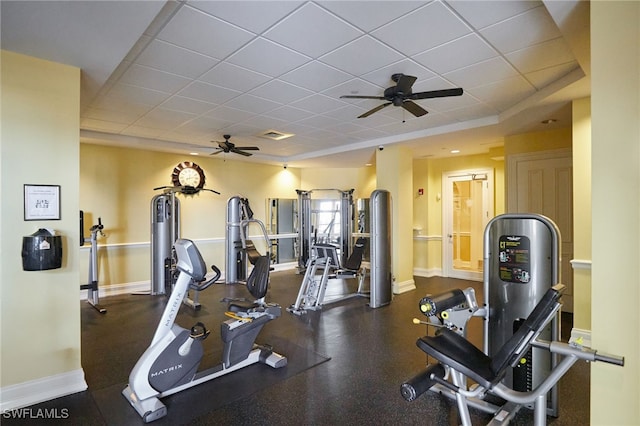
(36, 413)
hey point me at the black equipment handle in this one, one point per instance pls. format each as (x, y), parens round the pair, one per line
(205, 284)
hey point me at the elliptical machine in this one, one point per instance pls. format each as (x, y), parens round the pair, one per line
(171, 362)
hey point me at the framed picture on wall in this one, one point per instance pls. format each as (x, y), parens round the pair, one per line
(41, 202)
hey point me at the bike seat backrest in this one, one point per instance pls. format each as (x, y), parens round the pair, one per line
(518, 343)
(190, 260)
(355, 260)
(258, 281)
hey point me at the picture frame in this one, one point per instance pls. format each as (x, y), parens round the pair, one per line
(41, 202)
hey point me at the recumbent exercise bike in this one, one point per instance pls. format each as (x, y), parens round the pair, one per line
(171, 362)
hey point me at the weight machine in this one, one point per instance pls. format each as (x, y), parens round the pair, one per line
(519, 361)
(165, 231)
(325, 264)
(240, 251)
(326, 220)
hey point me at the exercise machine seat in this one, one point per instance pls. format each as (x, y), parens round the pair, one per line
(354, 261)
(257, 284)
(453, 350)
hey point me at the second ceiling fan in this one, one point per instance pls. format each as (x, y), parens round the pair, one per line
(227, 147)
(401, 95)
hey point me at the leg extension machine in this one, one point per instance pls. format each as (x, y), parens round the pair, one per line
(459, 361)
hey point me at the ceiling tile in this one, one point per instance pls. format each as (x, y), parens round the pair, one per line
(208, 92)
(234, 77)
(481, 14)
(456, 54)
(543, 78)
(370, 54)
(355, 86)
(288, 113)
(532, 27)
(111, 115)
(377, 12)
(195, 30)
(137, 95)
(268, 58)
(504, 93)
(448, 104)
(316, 76)
(326, 34)
(177, 60)
(206, 124)
(280, 91)
(318, 121)
(164, 118)
(150, 78)
(540, 56)
(422, 29)
(253, 104)
(255, 16)
(229, 114)
(194, 106)
(481, 73)
(318, 104)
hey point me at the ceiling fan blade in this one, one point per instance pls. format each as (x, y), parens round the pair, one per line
(237, 151)
(436, 94)
(405, 82)
(248, 148)
(414, 108)
(217, 152)
(380, 98)
(376, 109)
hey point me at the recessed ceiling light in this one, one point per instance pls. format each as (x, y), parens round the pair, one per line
(194, 153)
(549, 121)
(455, 151)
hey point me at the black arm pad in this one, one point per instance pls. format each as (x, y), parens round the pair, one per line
(433, 305)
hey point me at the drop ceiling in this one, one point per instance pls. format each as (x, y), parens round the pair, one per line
(175, 76)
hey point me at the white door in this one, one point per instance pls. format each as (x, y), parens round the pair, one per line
(542, 183)
(467, 205)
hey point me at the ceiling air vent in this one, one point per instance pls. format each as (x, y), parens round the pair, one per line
(275, 135)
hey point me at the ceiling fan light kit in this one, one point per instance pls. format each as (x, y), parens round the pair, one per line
(402, 96)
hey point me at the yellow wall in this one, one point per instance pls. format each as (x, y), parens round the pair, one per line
(537, 141)
(116, 184)
(615, 200)
(362, 180)
(582, 213)
(39, 309)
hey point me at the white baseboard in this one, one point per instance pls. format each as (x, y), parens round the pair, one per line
(39, 390)
(427, 273)
(404, 286)
(580, 337)
(145, 286)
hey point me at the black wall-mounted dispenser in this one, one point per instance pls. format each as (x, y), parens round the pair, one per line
(41, 250)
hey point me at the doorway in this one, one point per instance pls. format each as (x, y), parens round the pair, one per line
(467, 207)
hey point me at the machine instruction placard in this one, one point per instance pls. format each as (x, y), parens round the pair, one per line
(515, 259)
